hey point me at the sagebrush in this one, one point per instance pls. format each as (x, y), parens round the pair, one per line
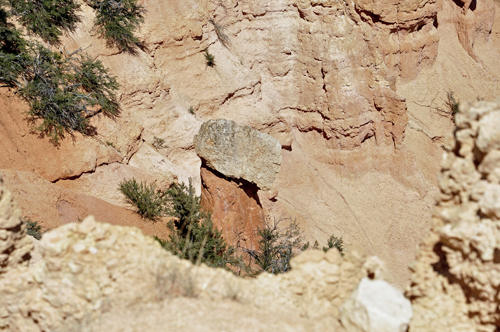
(145, 197)
(279, 241)
(32, 228)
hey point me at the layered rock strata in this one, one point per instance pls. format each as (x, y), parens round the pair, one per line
(455, 283)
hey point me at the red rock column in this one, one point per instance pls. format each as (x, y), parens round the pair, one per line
(234, 205)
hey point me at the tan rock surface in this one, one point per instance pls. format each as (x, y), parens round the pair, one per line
(91, 268)
(14, 245)
(52, 206)
(455, 284)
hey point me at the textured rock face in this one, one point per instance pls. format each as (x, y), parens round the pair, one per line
(375, 306)
(455, 284)
(235, 208)
(14, 244)
(109, 178)
(239, 152)
(53, 206)
(350, 89)
(89, 268)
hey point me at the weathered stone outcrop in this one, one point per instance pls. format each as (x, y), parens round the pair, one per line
(455, 284)
(237, 161)
(234, 206)
(91, 273)
(376, 306)
(91, 268)
(14, 244)
(239, 152)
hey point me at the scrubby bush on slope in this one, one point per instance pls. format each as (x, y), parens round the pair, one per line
(281, 240)
(63, 89)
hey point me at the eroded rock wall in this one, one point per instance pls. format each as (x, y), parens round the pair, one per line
(455, 283)
(91, 273)
(235, 207)
(14, 244)
(352, 90)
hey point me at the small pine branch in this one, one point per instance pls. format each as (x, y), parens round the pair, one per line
(209, 58)
(452, 103)
(117, 20)
(47, 19)
(219, 31)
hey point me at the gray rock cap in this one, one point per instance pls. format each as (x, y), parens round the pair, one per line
(238, 151)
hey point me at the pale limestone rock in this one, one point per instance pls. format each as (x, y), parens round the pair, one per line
(91, 273)
(239, 152)
(488, 137)
(14, 243)
(456, 281)
(376, 306)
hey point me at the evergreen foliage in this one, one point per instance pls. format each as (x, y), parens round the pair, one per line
(277, 246)
(149, 201)
(452, 103)
(193, 234)
(116, 21)
(33, 229)
(63, 90)
(47, 18)
(209, 58)
(12, 48)
(335, 242)
(279, 243)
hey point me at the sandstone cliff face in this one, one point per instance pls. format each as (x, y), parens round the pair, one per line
(350, 89)
(455, 284)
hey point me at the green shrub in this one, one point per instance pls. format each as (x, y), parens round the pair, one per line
(209, 58)
(193, 234)
(277, 246)
(335, 242)
(149, 201)
(47, 18)
(452, 103)
(279, 243)
(12, 48)
(33, 229)
(64, 90)
(116, 21)
(158, 143)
